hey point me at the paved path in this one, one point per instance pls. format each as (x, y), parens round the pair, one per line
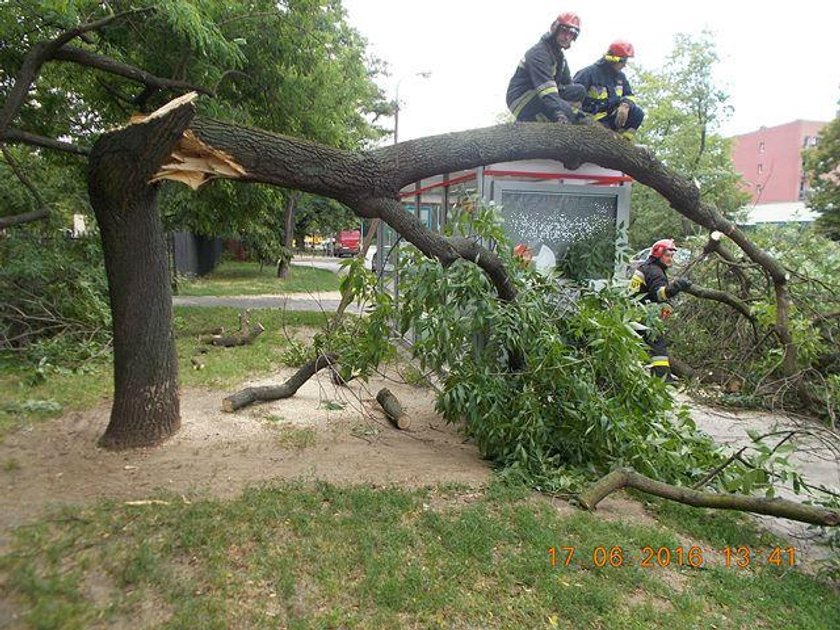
(319, 262)
(326, 301)
(816, 457)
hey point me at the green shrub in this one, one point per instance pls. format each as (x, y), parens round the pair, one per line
(714, 338)
(53, 298)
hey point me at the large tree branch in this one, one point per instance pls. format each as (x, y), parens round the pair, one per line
(27, 217)
(626, 478)
(722, 297)
(16, 136)
(355, 179)
(39, 54)
(383, 172)
(106, 64)
(250, 395)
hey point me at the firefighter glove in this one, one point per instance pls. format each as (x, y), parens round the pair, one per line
(621, 114)
(680, 284)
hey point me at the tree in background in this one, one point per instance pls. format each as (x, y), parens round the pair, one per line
(297, 68)
(822, 163)
(684, 108)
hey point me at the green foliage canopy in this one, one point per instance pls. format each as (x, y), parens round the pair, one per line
(822, 163)
(291, 67)
(684, 108)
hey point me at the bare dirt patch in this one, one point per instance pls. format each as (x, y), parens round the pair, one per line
(325, 433)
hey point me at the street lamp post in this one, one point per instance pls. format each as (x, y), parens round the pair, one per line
(380, 232)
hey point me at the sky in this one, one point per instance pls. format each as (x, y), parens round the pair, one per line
(778, 61)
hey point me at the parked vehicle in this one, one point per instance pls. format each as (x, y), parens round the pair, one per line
(347, 243)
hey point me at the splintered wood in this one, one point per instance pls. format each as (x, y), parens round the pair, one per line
(194, 163)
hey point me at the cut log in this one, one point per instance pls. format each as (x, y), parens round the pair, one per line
(238, 339)
(250, 395)
(393, 409)
(626, 478)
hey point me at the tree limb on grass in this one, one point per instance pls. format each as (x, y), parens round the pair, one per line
(626, 478)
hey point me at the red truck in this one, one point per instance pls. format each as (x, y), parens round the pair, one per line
(348, 243)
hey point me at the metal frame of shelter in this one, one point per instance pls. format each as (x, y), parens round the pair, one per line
(541, 202)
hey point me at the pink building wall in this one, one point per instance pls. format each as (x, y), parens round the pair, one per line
(770, 160)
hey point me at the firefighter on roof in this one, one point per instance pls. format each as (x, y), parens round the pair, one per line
(541, 89)
(609, 97)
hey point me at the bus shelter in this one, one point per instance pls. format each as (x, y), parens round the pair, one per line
(556, 212)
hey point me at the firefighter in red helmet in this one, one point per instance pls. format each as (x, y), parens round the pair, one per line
(609, 97)
(650, 284)
(541, 88)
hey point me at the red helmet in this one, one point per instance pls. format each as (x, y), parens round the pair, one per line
(662, 246)
(569, 20)
(621, 49)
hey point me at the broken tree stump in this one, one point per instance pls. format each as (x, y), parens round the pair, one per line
(626, 478)
(250, 395)
(393, 409)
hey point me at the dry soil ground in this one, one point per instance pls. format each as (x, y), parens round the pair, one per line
(305, 437)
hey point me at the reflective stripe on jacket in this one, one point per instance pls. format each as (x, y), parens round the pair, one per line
(650, 281)
(605, 87)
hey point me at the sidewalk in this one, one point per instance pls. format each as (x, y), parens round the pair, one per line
(815, 457)
(326, 301)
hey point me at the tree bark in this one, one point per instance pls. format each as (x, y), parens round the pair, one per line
(393, 409)
(626, 478)
(146, 408)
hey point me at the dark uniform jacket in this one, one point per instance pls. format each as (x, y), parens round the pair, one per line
(650, 281)
(537, 78)
(605, 87)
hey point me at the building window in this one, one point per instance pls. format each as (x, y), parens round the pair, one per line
(761, 147)
(760, 169)
(758, 188)
(809, 141)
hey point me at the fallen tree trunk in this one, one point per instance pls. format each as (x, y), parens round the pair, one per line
(393, 409)
(250, 395)
(626, 478)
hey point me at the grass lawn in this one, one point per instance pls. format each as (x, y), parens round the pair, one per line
(245, 278)
(29, 395)
(318, 556)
